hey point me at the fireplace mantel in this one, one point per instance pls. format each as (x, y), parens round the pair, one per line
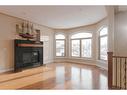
(29, 45)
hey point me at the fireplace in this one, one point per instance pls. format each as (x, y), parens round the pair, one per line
(28, 54)
(31, 57)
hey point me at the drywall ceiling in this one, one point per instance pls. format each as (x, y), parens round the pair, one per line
(58, 17)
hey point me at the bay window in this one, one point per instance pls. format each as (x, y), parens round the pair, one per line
(81, 45)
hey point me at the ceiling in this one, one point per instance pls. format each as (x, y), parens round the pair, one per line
(58, 17)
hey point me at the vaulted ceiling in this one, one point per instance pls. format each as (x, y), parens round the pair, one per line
(58, 17)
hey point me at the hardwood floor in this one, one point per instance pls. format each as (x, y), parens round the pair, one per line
(56, 76)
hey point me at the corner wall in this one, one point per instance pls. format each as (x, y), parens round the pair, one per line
(121, 34)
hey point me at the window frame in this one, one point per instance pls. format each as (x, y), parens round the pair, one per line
(80, 40)
(64, 44)
(102, 36)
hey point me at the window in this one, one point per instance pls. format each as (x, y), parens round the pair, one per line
(86, 48)
(103, 43)
(81, 44)
(76, 48)
(60, 45)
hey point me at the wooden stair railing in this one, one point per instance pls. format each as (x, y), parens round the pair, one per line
(110, 54)
(117, 71)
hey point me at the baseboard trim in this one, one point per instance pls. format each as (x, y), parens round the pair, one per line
(103, 67)
(81, 62)
(6, 70)
(48, 62)
(102, 64)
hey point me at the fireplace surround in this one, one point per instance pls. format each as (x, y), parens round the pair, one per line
(27, 54)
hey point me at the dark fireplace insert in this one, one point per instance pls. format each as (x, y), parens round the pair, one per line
(28, 54)
(31, 57)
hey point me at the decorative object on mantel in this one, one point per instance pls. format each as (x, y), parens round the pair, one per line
(37, 36)
(26, 30)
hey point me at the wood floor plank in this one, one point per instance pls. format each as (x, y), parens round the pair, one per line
(24, 73)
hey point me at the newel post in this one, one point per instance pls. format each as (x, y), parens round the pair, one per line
(110, 68)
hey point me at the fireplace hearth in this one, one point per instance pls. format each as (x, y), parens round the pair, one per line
(27, 54)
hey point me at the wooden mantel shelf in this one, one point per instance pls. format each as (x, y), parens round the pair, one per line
(30, 45)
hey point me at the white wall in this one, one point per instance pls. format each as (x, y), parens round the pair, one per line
(8, 34)
(121, 34)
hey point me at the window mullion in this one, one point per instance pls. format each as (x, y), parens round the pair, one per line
(80, 48)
